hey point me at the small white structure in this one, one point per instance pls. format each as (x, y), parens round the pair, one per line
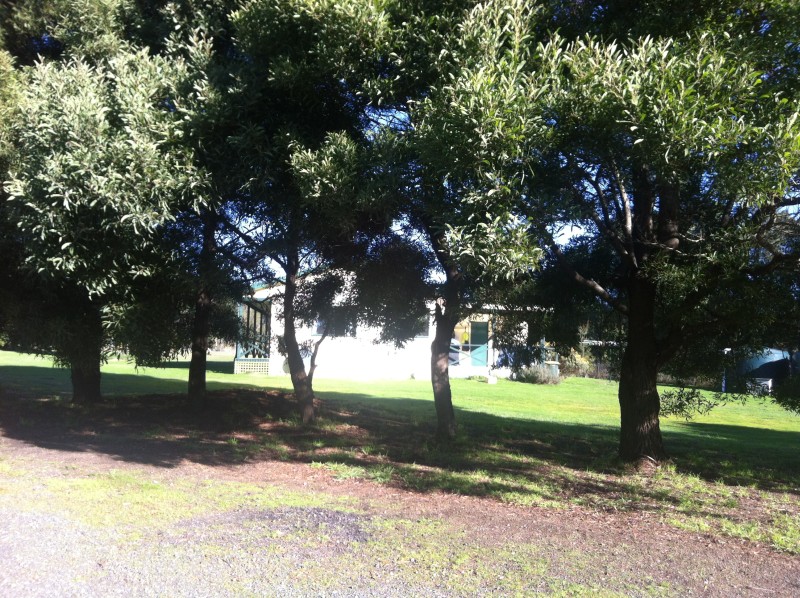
(353, 353)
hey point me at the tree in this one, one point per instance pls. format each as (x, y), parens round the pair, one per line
(303, 76)
(430, 206)
(208, 113)
(94, 178)
(677, 155)
(441, 183)
(180, 36)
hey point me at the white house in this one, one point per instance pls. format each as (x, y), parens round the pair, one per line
(353, 352)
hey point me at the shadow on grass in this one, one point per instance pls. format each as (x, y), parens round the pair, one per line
(389, 440)
(217, 366)
(53, 381)
(504, 456)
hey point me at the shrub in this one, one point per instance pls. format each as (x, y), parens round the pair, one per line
(537, 374)
(577, 365)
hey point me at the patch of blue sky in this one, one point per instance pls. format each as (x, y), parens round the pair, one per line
(565, 232)
(379, 119)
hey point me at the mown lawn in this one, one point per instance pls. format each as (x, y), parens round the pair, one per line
(734, 472)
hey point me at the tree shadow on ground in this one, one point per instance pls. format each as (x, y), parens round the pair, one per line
(392, 441)
(553, 457)
(217, 366)
(36, 381)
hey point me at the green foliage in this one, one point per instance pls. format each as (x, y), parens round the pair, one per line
(474, 121)
(91, 29)
(787, 394)
(95, 177)
(396, 303)
(686, 402)
(330, 37)
(683, 105)
(8, 100)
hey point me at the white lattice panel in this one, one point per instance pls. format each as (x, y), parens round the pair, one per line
(250, 366)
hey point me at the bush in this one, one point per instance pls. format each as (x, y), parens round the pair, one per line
(577, 365)
(537, 374)
(585, 365)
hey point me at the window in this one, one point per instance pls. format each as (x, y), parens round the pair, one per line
(255, 333)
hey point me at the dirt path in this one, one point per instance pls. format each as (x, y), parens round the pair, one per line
(380, 541)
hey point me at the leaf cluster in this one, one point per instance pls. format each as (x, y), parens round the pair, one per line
(95, 169)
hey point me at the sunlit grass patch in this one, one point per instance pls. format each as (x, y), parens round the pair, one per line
(130, 500)
(121, 499)
(342, 471)
(382, 473)
(784, 532)
(692, 524)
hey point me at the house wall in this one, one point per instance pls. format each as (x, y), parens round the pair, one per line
(361, 358)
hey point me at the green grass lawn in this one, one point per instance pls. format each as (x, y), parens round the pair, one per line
(733, 472)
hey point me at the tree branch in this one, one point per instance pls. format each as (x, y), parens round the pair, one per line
(587, 282)
(627, 212)
(605, 225)
(776, 262)
(312, 365)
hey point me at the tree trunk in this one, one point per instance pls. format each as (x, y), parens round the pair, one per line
(640, 433)
(85, 361)
(200, 330)
(440, 375)
(312, 366)
(201, 324)
(447, 315)
(301, 383)
(86, 383)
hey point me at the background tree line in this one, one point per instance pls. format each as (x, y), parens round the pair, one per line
(159, 158)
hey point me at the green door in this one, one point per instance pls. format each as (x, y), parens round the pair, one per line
(479, 343)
